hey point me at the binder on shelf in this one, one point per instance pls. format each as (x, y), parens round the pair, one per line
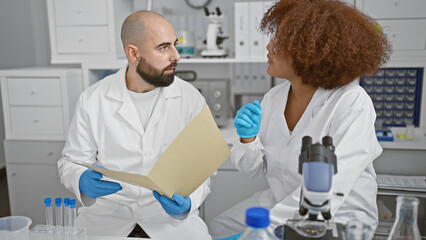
(255, 77)
(256, 45)
(264, 78)
(247, 78)
(266, 38)
(241, 30)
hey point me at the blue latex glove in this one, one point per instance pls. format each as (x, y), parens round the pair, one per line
(91, 185)
(234, 237)
(177, 206)
(247, 120)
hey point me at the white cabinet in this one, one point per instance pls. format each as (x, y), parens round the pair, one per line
(403, 21)
(38, 103)
(86, 30)
(32, 175)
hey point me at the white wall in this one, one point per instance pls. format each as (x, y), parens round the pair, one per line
(24, 40)
(24, 33)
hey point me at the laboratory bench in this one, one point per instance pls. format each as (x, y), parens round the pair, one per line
(93, 237)
(401, 170)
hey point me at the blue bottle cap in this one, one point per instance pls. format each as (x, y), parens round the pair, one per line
(72, 203)
(66, 202)
(58, 202)
(47, 202)
(257, 217)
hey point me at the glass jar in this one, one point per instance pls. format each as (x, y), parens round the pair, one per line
(405, 226)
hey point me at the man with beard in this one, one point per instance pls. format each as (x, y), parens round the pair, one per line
(126, 122)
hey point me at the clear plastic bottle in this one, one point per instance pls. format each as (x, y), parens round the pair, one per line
(66, 212)
(405, 225)
(58, 212)
(257, 221)
(49, 214)
(72, 214)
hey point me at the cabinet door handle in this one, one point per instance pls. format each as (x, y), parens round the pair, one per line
(13, 174)
(50, 153)
(33, 92)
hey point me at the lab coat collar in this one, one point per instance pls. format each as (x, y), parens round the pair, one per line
(318, 100)
(119, 92)
(320, 97)
(118, 89)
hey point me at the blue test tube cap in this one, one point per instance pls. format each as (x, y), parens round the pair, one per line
(47, 202)
(66, 202)
(72, 203)
(58, 202)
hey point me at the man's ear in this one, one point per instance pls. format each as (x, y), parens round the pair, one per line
(132, 52)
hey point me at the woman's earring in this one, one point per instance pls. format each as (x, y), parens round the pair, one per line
(136, 62)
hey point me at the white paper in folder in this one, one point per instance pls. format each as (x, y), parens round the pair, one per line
(193, 156)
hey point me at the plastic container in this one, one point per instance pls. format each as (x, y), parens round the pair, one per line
(42, 232)
(14, 228)
(405, 225)
(257, 221)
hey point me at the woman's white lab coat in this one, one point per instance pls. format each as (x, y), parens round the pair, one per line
(347, 115)
(107, 131)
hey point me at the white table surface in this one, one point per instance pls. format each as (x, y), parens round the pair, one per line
(93, 237)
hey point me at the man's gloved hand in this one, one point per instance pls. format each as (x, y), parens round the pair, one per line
(247, 120)
(177, 206)
(91, 185)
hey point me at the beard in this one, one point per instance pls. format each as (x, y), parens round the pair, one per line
(154, 76)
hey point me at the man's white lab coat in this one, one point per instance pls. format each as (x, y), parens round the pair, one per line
(347, 115)
(106, 130)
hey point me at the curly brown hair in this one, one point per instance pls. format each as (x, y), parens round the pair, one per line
(329, 42)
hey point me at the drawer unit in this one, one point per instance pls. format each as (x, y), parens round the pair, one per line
(34, 91)
(86, 30)
(36, 152)
(396, 95)
(84, 40)
(37, 120)
(80, 12)
(403, 21)
(405, 34)
(381, 9)
(38, 102)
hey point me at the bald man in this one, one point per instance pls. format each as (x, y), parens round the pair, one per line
(126, 122)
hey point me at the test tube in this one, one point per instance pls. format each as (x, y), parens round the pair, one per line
(58, 212)
(49, 214)
(66, 212)
(72, 215)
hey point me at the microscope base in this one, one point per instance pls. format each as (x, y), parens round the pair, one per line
(334, 231)
(214, 53)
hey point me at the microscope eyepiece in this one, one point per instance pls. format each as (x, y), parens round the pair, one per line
(218, 12)
(306, 142)
(327, 141)
(206, 11)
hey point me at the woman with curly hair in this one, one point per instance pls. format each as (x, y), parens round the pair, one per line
(321, 47)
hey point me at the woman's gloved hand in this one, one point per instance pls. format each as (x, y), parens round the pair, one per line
(247, 120)
(234, 237)
(91, 185)
(177, 206)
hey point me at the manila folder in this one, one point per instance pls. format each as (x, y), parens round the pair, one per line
(191, 158)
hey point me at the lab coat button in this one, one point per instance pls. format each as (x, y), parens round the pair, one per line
(285, 173)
